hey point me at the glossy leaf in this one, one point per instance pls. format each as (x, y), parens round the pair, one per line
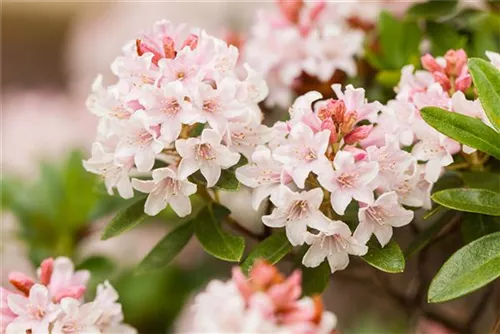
(315, 280)
(216, 241)
(432, 9)
(166, 250)
(475, 226)
(469, 200)
(272, 249)
(465, 129)
(389, 259)
(470, 268)
(125, 219)
(487, 81)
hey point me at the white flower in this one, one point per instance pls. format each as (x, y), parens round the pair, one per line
(35, 313)
(494, 58)
(380, 217)
(166, 188)
(114, 171)
(205, 154)
(111, 319)
(413, 189)
(245, 137)
(77, 319)
(354, 100)
(334, 243)
(304, 152)
(349, 180)
(65, 281)
(296, 211)
(264, 174)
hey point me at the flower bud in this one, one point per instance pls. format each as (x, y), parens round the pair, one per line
(348, 121)
(358, 153)
(143, 48)
(338, 110)
(290, 9)
(75, 292)
(46, 268)
(191, 41)
(21, 282)
(463, 82)
(169, 47)
(455, 61)
(359, 133)
(326, 111)
(329, 125)
(442, 79)
(430, 63)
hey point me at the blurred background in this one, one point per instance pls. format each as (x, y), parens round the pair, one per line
(51, 53)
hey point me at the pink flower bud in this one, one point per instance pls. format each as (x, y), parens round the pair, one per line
(463, 82)
(442, 79)
(358, 153)
(430, 63)
(359, 133)
(21, 282)
(338, 110)
(191, 41)
(348, 122)
(46, 268)
(169, 47)
(317, 8)
(328, 124)
(290, 9)
(143, 48)
(75, 292)
(286, 293)
(263, 275)
(241, 283)
(455, 61)
(326, 111)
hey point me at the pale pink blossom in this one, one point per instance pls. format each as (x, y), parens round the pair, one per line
(6, 315)
(494, 58)
(65, 281)
(349, 180)
(334, 243)
(412, 82)
(111, 317)
(380, 217)
(296, 211)
(77, 318)
(355, 101)
(413, 189)
(265, 175)
(205, 154)
(34, 313)
(245, 137)
(166, 188)
(304, 152)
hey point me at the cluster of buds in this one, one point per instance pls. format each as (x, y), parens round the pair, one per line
(441, 85)
(315, 167)
(178, 107)
(265, 302)
(54, 303)
(451, 71)
(299, 40)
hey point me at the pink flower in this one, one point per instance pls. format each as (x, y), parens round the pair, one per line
(349, 180)
(205, 154)
(296, 211)
(111, 317)
(265, 175)
(6, 315)
(34, 313)
(304, 152)
(65, 281)
(354, 100)
(334, 243)
(166, 188)
(245, 137)
(79, 319)
(380, 217)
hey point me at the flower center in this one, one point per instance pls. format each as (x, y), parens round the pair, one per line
(347, 180)
(210, 106)
(298, 210)
(170, 106)
(378, 214)
(204, 151)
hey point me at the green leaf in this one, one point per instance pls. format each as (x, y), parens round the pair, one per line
(389, 259)
(98, 265)
(227, 180)
(427, 235)
(444, 37)
(315, 280)
(388, 79)
(467, 130)
(125, 219)
(487, 81)
(469, 200)
(470, 268)
(167, 248)
(482, 180)
(216, 241)
(272, 249)
(475, 226)
(432, 9)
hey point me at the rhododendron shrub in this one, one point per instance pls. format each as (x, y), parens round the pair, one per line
(54, 302)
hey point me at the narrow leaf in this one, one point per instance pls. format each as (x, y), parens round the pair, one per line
(469, 200)
(467, 130)
(125, 219)
(272, 249)
(389, 259)
(487, 81)
(216, 241)
(470, 268)
(315, 280)
(475, 226)
(167, 248)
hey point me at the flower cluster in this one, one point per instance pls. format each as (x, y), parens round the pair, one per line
(266, 302)
(300, 39)
(443, 84)
(178, 107)
(54, 303)
(314, 168)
